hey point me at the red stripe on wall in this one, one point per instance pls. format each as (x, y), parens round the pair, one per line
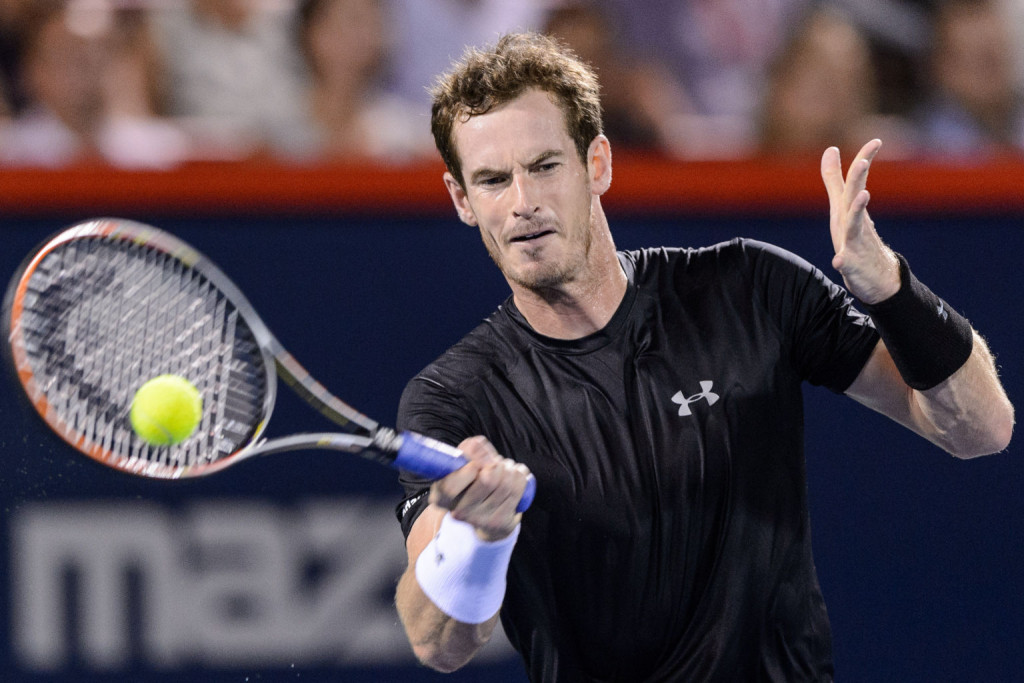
(639, 185)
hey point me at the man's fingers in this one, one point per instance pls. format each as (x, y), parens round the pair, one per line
(868, 151)
(860, 202)
(856, 219)
(496, 483)
(490, 503)
(498, 494)
(486, 491)
(857, 176)
(448, 491)
(831, 174)
(856, 189)
(479, 448)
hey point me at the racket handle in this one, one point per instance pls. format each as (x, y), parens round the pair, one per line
(433, 459)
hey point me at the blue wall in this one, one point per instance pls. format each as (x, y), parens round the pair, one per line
(919, 554)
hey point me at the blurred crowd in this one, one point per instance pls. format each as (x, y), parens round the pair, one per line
(156, 83)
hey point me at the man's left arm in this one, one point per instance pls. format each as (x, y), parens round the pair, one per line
(931, 371)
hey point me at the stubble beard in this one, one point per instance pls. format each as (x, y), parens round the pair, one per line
(549, 278)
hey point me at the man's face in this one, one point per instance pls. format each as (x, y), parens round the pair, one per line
(527, 191)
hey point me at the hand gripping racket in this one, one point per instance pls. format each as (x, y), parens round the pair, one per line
(107, 304)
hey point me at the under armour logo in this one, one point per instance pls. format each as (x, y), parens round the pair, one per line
(941, 310)
(685, 401)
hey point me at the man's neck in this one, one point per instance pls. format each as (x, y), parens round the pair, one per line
(578, 308)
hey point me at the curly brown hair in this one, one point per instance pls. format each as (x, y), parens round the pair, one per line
(486, 78)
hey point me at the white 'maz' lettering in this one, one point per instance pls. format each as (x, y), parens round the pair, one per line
(220, 584)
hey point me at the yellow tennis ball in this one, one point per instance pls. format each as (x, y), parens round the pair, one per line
(166, 410)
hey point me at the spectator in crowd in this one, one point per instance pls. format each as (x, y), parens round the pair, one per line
(234, 73)
(59, 67)
(5, 106)
(350, 116)
(430, 33)
(85, 100)
(641, 101)
(1013, 12)
(719, 50)
(821, 91)
(975, 110)
(11, 12)
(136, 97)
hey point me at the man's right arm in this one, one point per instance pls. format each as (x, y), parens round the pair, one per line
(481, 499)
(438, 640)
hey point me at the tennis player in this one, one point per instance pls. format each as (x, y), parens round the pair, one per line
(656, 397)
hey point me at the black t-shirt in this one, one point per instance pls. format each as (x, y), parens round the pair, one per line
(669, 539)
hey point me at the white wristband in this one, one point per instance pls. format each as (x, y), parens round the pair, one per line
(463, 575)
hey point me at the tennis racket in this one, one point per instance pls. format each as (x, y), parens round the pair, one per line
(108, 304)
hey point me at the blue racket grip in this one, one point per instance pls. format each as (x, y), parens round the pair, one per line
(433, 459)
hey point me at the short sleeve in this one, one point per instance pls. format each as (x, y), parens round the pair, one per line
(829, 339)
(427, 408)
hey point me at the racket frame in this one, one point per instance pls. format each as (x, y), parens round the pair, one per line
(364, 436)
(276, 360)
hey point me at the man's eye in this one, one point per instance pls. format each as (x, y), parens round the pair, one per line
(493, 180)
(548, 166)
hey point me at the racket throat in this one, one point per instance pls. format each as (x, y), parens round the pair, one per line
(384, 446)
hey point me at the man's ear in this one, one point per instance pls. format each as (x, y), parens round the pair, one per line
(599, 165)
(460, 200)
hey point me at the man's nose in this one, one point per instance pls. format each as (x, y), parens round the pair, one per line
(524, 195)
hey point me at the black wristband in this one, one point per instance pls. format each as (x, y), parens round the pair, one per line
(927, 339)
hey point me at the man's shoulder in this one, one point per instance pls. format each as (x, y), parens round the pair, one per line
(736, 246)
(486, 348)
(739, 253)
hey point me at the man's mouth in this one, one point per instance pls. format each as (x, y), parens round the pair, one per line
(531, 236)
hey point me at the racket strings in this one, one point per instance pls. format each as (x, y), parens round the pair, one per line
(102, 316)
